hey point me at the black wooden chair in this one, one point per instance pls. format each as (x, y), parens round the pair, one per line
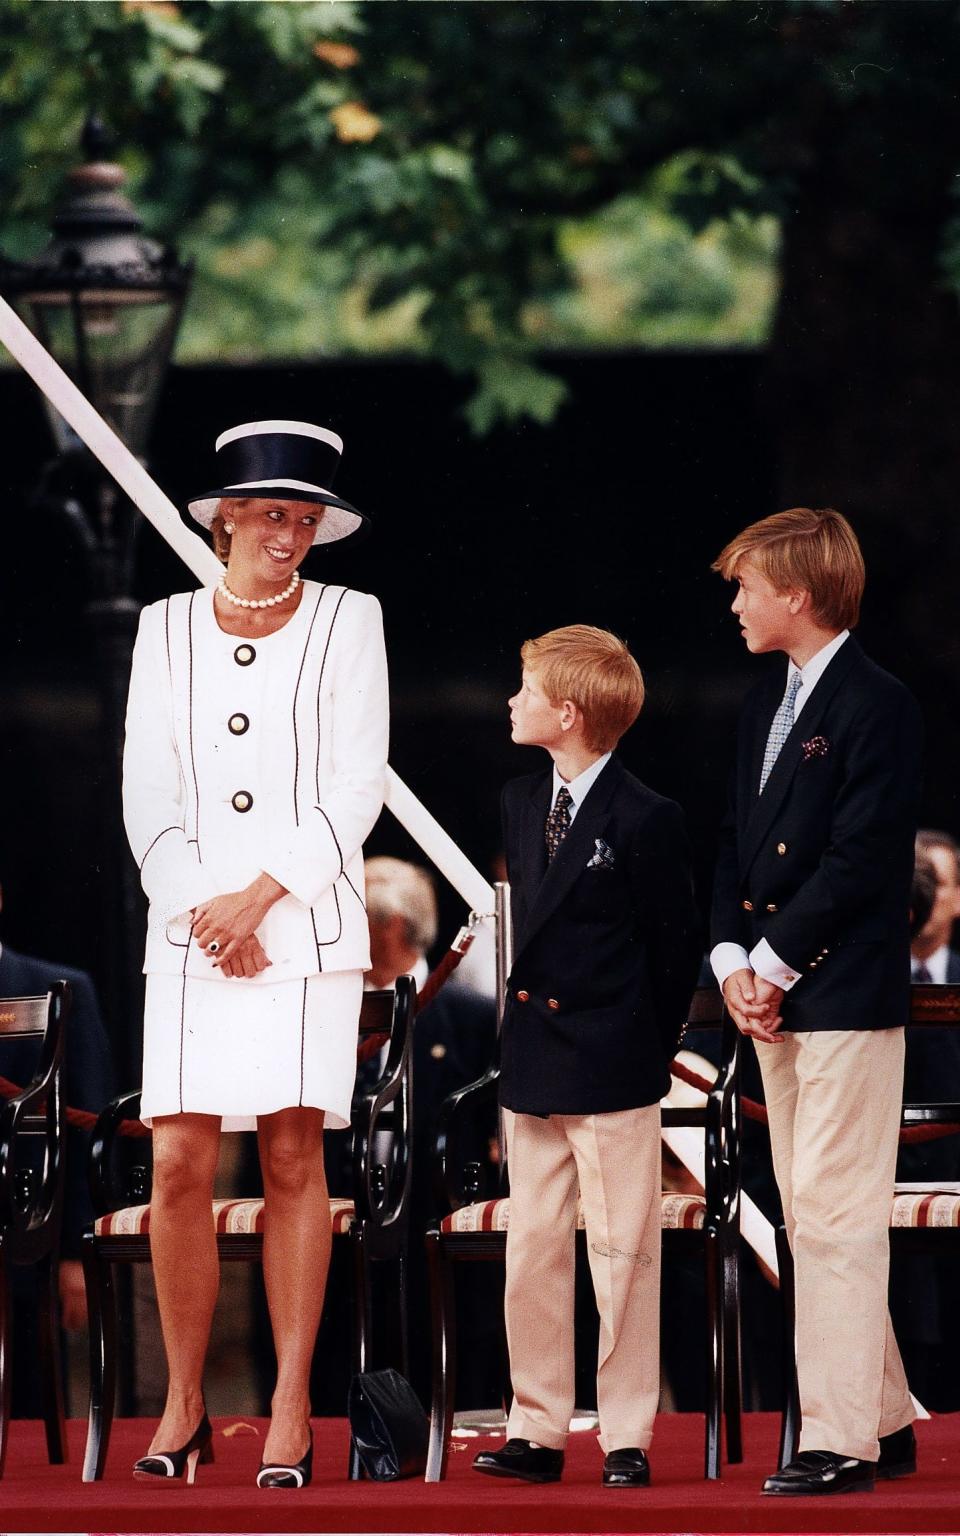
(475, 1230)
(32, 1140)
(921, 1220)
(375, 1219)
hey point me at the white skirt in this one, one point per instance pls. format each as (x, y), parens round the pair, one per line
(237, 1049)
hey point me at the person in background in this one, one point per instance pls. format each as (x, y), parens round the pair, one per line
(924, 1287)
(89, 1083)
(931, 955)
(454, 1043)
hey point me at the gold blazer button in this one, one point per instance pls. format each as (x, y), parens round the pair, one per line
(552, 1004)
(771, 907)
(781, 848)
(523, 997)
(748, 906)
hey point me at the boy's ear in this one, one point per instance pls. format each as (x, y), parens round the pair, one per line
(569, 715)
(799, 600)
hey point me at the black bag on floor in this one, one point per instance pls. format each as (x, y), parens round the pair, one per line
(389, 1427)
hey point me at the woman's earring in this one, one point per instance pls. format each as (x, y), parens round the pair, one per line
(228, 527)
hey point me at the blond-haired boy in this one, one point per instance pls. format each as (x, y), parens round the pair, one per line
(606, 951)
(812, 950)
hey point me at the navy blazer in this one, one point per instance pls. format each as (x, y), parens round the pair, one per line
(607, 945)
(820, 864)
(88, 1076)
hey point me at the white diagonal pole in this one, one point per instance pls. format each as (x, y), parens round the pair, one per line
(144, 492)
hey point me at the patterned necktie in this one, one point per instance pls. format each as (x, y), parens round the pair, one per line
(558, 821)
(922, 971)
(780, 727)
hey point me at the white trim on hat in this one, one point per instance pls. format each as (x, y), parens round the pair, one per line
(297, 428)
(282, 484)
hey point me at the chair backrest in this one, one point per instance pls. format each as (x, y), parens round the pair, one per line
(383, 1118)
(24, 1015)
(932, 1006)
(119, 1171)
(31, 1200)
(718, 1116)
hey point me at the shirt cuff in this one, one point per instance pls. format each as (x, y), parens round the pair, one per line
(726, 958)
(767, 963)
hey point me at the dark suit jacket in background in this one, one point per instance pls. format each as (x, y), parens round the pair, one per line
(615, 944)
(454, 1043)
(821, 863)
(932, 1075)
(89, 1075)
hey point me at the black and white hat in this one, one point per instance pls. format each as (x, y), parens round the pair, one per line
(294, 460)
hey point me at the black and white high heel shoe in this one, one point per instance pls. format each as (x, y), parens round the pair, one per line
(277, 1475)
(172, 1464)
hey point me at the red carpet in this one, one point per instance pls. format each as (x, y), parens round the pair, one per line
(36, 1497)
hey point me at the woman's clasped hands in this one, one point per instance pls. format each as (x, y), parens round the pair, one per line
(225, 927)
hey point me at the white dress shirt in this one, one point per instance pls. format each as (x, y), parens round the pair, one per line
(579, 787)
(727, 957)
(936, 964)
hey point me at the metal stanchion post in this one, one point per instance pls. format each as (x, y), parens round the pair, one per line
(503, 934)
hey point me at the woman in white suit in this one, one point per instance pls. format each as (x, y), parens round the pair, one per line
(254, 767)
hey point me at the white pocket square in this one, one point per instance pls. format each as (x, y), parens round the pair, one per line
(603, 856)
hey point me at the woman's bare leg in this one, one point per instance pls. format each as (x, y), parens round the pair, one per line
(186, 1270)
(296, 1257)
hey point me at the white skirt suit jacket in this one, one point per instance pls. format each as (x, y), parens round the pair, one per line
(242, 756)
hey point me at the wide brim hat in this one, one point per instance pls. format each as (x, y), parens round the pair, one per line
(289, 460)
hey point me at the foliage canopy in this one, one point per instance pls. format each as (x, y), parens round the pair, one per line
(480, 182)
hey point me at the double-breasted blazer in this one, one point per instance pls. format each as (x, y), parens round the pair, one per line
(606, 947)
(820, 864)
(218, 789)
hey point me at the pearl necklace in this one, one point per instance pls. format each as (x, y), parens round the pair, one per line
(258, 602)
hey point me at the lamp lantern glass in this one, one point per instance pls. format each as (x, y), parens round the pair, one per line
(104, 299)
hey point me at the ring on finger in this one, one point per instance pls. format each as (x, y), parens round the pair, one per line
(213, 947)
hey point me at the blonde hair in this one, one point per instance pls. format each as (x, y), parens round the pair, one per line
(814, 550)
(221, 539)
(395, 888)
(593, 669)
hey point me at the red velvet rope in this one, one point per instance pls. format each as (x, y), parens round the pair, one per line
(909, 1134)
(85, 1120)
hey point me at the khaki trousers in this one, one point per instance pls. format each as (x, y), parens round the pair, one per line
(613, 1162)
(834, 1099)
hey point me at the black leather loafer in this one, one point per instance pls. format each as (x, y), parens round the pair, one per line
(518, 1458)
(627, 1468)
(815, 1472)
(898, 1453)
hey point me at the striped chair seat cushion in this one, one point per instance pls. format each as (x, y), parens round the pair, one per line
(925, 1208)
(241, 1217)
(678, 1212)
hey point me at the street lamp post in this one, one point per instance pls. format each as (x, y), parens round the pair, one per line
(106, 301)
